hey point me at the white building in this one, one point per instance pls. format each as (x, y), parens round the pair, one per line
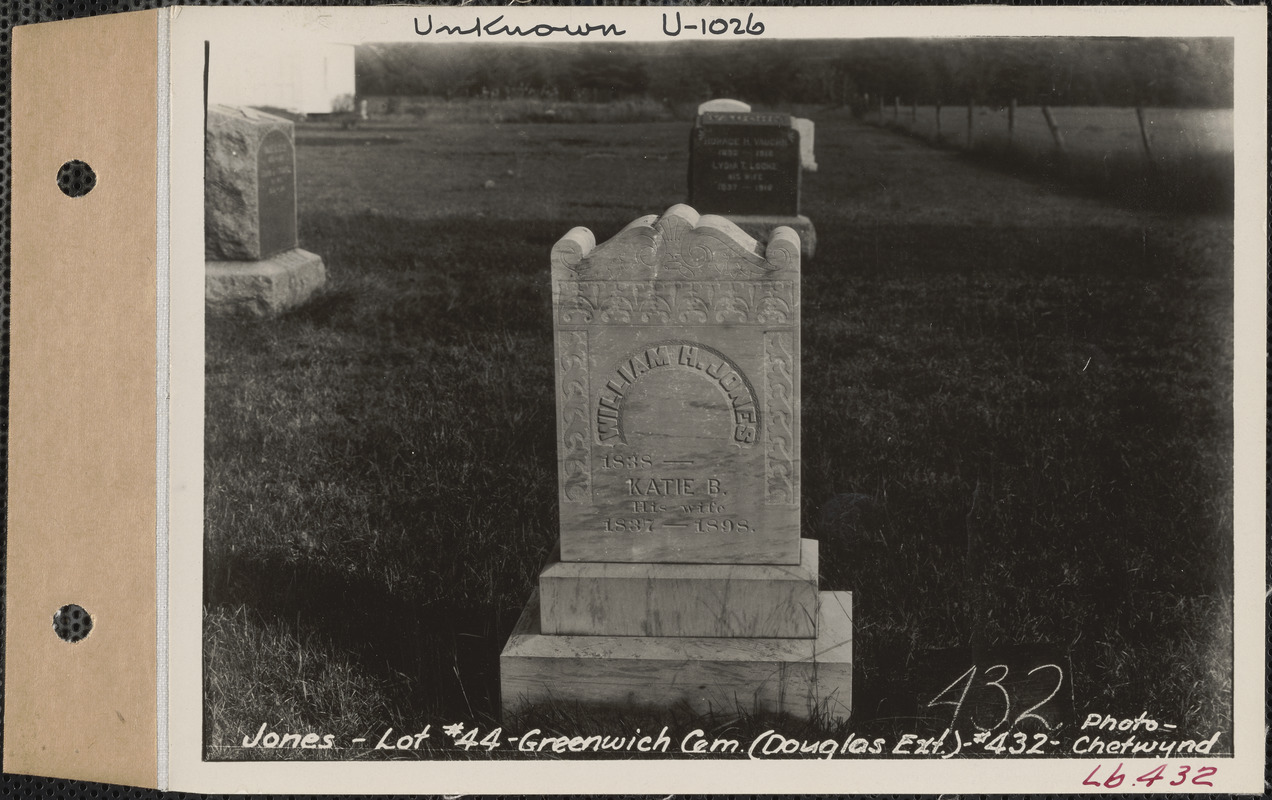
(308, 79)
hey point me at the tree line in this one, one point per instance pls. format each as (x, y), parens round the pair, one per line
(1159, 72)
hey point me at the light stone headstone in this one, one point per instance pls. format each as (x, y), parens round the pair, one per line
(680, 579)
(723, 104)
(807, 157)
(678, 390)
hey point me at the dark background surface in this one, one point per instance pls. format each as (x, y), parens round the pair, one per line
(14, 12)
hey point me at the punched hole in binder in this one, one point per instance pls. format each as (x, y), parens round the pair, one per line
(72, 623)
(76, 179)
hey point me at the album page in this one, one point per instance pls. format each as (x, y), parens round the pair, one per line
(700, 400)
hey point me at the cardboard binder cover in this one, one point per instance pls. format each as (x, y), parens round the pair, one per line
(82, 510)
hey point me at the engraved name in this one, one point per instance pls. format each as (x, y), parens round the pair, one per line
(713, 365)
(671, 487)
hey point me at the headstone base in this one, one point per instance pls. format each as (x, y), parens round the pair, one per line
(806, 678)
(759, 226)
(587, 598)
(263, 288)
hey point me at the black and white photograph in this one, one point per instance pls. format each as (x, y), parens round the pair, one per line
(717, 394)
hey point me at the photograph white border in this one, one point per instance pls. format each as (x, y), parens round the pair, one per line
(188, 772)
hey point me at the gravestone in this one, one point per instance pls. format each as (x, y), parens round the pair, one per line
(745, 166)
(723, 104)
(252, 260)
(807, 157)
(745, 163)
(687, 336)
(680, 575)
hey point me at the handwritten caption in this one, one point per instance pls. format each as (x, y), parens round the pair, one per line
(1013, 702)
(772, 744)
(1115, 777)
(673, 25)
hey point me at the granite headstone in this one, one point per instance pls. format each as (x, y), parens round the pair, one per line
(276, 193)
(253, 263)
(249, 179)
(744, 163)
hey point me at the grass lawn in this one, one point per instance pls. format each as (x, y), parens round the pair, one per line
(1017, 415)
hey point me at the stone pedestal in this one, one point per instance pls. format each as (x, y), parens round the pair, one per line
(253, 264)
(808, 678)
(680, 577)
(776, 601)
(263, 288)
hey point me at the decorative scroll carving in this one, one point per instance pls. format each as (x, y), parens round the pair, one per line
(568, 253)
(576, 441)
(684, 302)
(681, 244)
(779, 459)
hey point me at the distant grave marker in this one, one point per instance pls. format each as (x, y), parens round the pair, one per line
(746, 166)
(680, 576)
(253, 265)
(723, 104)
(807, 156)
(745, 163)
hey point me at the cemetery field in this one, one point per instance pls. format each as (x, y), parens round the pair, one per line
(1173, 132)
(1187, 162)
(434, 110)
(1017, 435)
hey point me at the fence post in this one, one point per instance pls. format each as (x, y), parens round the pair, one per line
(938, 120)
(970, 124)
(1148, 146)
(1011, 120)
(1054, 128)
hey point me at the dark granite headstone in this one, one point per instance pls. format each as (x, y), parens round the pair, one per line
(249, 185)
(744, 163)
(276, 193)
